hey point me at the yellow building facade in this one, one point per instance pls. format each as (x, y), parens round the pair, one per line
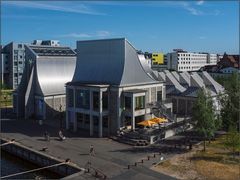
(157, 58)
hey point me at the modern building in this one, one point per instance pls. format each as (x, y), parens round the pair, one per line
(112, 88)
(46, 43)
(182, 88)
(12, 64)
(160, 66)
(41, 93)
(157, 58)
(186, 61)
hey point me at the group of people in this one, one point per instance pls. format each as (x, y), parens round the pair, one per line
(60, 135)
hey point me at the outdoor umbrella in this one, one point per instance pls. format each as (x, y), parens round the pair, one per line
(159, 120)
(147, 123)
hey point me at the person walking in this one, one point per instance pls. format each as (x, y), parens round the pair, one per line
(91, 152)
(47, 136)
(61, 136)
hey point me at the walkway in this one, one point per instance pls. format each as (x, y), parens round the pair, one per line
(112, 158)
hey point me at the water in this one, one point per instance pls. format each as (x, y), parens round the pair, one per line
(12, 164)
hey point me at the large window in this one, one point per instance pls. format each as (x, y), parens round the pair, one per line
(105, 121)
(80, 118)
(105, 100)
(95, 121)
(96, 101)
(82, 99)
(127, 101)
(70, 97)
(86, 119)
(159, 96)
(139, 102)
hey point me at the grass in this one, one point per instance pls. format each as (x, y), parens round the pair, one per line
(6, 98)
(215, 163)
(217, 170)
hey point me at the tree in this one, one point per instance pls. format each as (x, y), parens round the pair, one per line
(232, 140)
(231, 103)
(204, 116)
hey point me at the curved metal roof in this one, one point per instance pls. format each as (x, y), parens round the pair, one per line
(109, 61)
(53, 73)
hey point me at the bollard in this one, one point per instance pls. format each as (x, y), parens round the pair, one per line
(148, 158)
(67, 160)
(154, 155)
(142, 161)
(128, 166)
(44, 149)
(135, 164)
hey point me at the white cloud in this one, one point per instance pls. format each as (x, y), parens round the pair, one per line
(191, 9)
(76, 35)
(97, 34)
(102, 33)
(54, 6)
(200, 2)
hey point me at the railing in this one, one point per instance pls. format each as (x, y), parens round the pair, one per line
(158, 109)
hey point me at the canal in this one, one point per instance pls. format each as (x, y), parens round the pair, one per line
(11, 164)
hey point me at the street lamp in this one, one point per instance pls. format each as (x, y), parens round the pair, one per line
(5, 100)
(60, 113)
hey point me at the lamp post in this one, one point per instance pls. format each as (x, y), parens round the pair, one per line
(60, 113)
(5, 100)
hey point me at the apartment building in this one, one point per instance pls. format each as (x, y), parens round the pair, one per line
(112, 88)
(12, 64)
(186, 61)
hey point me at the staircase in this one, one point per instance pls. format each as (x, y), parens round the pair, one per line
(133, 138)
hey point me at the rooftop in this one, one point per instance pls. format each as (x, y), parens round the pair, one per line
(52, 51)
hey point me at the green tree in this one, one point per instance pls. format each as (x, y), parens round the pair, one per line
(204, 116)
(231, 103)
(232, 140)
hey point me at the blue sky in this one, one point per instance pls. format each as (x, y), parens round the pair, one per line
(210, 26)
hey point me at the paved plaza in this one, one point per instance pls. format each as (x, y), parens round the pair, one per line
(112, 158)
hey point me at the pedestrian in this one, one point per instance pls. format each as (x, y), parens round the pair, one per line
(91, 152)
(47, 136)
(61, 136)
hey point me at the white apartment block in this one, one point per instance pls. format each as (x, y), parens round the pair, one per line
(186, 61)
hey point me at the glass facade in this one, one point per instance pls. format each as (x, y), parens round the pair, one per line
(70, 97)
(127, 101)
(105, 121)
(159, 96)
(82, 98)
(139, 102)
(96, 101)
(105, 100)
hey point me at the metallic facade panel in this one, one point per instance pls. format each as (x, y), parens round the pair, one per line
(53, 73)
(110, 61)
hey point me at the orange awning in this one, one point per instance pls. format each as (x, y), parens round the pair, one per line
(147, 123)
(159, 120)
